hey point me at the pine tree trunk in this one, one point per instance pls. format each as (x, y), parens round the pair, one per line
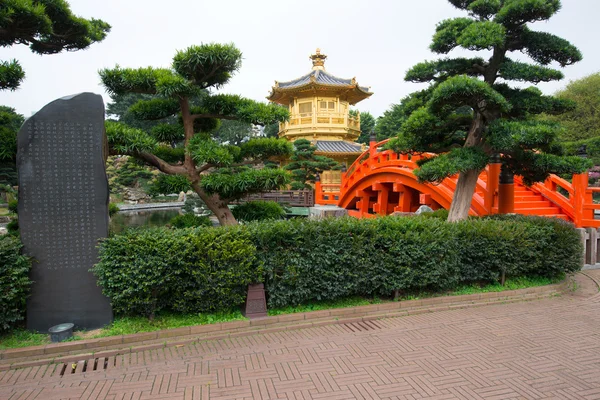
(463, 196)
(216, 205)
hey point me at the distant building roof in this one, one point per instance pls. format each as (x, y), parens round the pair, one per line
(337, 146)
(323, 77)
(320, 80)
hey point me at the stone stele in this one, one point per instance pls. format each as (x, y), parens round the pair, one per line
(63, 211)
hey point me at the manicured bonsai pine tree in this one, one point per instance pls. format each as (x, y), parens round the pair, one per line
(473, 113)
(217, 173)
(47, 27)
(305, 165)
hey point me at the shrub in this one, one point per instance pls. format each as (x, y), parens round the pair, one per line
(258, 210)
(189, 221)
(112, 209)
(14, 282)
(193, 270)
(13, 206)
(186, 270)
(334, 258)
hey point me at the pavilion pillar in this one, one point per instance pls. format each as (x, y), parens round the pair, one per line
(506, 192)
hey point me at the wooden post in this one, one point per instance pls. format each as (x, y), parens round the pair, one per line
(383, 192)
(506, 192)
(405, 201)
(493, 177)
(591, 250)
(580, 184)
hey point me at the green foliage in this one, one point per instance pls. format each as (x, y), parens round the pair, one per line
(233, 132)
(367, 125)
(305, 165)
(172, 155)
(468, 115)
(47, 27)
(12, 206)
(10, 123)
(258, 210)
(204, 150)
(302, 261)
(583, 121)
(544, 48)
(440, 70)
(392, 120)
(131, 174)
(482, 35)
(272, 130)
(330, 259)
(14, 282)
(233, 184)
(462, 90)
(266, 148)
(182, 98)
(166, 184)
(203, 270)
(11, 75)
(112, 209)
(457, 160)
(189, 221)
(210, 65)
(125, 140)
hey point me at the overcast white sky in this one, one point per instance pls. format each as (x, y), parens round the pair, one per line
(375, 41)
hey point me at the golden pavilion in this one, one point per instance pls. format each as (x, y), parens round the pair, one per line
(319, 105)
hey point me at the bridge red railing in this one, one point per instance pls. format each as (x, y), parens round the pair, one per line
(574, 199)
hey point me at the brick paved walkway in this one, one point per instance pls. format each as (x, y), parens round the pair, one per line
(547, 349)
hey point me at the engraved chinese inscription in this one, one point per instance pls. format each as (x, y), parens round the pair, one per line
(63, 210)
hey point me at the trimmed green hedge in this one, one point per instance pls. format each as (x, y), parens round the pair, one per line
(189, 221)
(182, 270)
(303, 260)
(14, 282)
(258, 210)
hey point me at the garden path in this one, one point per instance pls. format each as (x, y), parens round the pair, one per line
(547, 349)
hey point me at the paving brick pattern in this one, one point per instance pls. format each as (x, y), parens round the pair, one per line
(548, 349)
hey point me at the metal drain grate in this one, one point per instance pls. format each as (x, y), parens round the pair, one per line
(93, 364)
(362, 326)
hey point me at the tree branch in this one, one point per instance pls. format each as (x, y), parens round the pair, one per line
(161, 164)
(241, 164)
(219, 116)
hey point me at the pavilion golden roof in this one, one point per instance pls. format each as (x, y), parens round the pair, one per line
(319, 81)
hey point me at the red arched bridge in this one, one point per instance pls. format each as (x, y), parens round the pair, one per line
(382, 182)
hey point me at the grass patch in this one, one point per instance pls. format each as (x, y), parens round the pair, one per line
(326, 305)
(121, 326)
(510, 284)
(130, 325)
(22, 338)
(3, 211)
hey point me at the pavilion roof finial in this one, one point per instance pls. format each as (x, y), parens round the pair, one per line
(318, 60)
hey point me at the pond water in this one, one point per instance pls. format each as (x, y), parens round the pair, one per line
(141, 218)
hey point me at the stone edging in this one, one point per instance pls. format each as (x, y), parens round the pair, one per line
(114, 345)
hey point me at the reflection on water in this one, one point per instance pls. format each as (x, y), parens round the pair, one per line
(142, 218)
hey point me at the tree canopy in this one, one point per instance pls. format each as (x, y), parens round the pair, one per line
(471, 112)
(183, 94)
(367, 125)
(47, 27)
(10, 123)
(583, 121)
